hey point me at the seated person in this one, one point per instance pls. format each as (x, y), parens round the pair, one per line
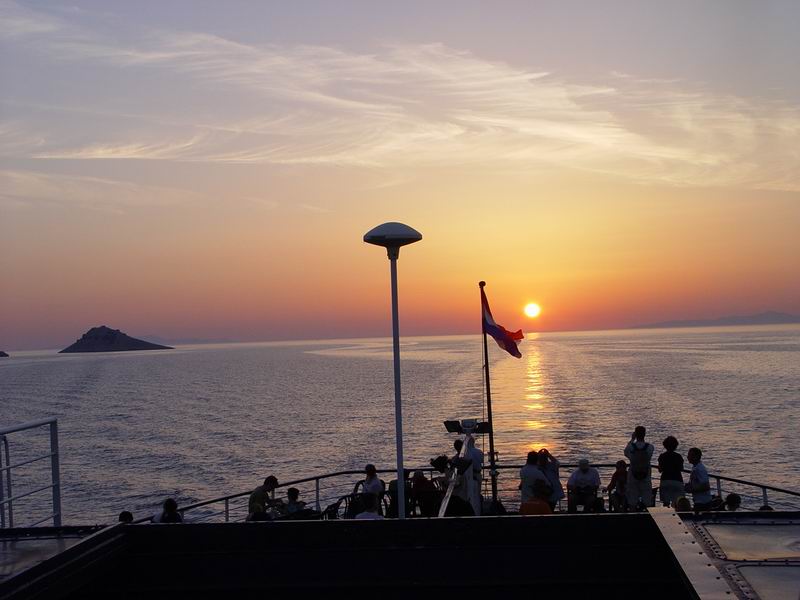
(169, 514)
(370, 506)
(733, 502)
(582, 486)
(293, 502)
(371, 484)
(424, 495)
(616, 488)
(540, 503)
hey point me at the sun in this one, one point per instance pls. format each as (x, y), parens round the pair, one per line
(533, 310)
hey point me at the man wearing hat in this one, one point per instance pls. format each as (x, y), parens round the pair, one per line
(582, 487)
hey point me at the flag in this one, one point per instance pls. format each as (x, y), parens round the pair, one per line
(507, 340)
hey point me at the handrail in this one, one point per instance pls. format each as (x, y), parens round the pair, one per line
(291, 483)
(710, 475)
(25, 462)
(429, 469)
(7, 496)
(28, 425)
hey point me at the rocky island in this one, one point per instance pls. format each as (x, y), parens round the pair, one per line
(105, 339)
(3, 354)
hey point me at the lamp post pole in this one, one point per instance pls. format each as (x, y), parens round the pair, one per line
(392, 236)
(394, 254)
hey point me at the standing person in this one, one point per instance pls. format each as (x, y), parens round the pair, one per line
(617, 499)
(640, 485)
(371, 484)
(582, 486)
(549, 465)
(670, 465)
(699, 484)
(260, 499)
(477, 473)
(529, 475)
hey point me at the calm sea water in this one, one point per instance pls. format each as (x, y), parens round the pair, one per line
(201, 421)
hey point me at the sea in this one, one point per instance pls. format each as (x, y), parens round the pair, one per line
(203, 421)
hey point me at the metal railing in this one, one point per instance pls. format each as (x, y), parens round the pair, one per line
(329, 488)
(7, 496)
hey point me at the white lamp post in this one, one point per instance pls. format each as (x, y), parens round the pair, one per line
(391, 236)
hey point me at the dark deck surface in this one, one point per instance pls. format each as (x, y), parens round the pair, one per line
(566, 555)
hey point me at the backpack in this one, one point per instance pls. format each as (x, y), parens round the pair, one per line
(640, 462)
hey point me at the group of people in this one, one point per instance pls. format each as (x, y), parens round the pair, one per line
(631, 485)
(263, 506)
(630, 488)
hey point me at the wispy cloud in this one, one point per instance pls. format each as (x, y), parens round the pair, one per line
(407, 106)
(21, 189)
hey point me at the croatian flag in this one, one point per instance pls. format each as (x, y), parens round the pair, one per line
(507, 340)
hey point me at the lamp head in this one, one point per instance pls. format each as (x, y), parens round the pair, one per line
(391, 236)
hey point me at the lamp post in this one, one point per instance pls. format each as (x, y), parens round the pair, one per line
(392, 236)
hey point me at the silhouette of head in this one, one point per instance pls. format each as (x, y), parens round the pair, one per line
(125, 517)
(458, 444)
(671, 443)
(170, 506)
(639, 432)
(733, 502)
(292, 494)
(541, 460)
(533, 458)
(583, 465)
(271, 482)
(370, 470)
(694, 455)
(440, 463)
(622, 465)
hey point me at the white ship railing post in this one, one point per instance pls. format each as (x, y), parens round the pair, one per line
(8, 467)
(392, 236)
(2, 497)
(56, 473)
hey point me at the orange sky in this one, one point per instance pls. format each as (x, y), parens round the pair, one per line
(179, 175)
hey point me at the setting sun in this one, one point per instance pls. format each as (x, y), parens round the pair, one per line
(532, 310)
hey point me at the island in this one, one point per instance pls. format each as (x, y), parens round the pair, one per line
(3, 354)
(765, 318)
(105, 339)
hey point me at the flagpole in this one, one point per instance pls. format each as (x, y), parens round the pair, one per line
(493, 470)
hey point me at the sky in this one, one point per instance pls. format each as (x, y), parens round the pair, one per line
(206, 170)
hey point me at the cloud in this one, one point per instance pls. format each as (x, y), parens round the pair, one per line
(21, 189)
(409, 106)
